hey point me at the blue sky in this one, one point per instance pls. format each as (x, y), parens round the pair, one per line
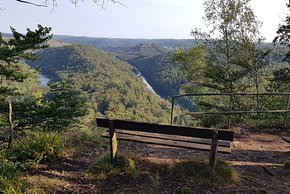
(140, 19)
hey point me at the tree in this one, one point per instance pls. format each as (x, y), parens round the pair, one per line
(226, 58)
(21, 46)
(281, 77)
(234, 32)
(230, 46)
(54, 111)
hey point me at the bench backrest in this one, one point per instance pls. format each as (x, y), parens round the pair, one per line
(200, 132)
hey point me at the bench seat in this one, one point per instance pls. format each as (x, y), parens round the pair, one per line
(170, 140)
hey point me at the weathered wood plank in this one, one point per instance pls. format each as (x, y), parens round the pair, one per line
(173, 137)
(170, 143)
(167, 129)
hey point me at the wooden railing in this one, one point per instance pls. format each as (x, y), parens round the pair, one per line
(230, 110)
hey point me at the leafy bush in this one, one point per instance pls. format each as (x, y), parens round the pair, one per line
(35, 148)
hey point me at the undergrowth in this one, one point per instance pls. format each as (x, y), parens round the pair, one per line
(188, 173)
(35, 148)
(83, 139)
(26, 153)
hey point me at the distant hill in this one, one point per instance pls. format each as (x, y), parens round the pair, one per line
(106, 43)
(110, 85)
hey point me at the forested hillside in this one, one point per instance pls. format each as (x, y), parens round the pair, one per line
(110, 85)
(155, 64)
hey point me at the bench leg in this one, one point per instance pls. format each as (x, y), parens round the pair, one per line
(113, 141)
(213, 150)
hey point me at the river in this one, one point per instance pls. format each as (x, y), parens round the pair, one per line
(145, 82)
(43, 80)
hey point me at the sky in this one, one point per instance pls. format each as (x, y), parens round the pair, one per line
(138, 19)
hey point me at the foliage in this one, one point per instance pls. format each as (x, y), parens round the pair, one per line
(20, 46)
(36, 147)
(65, 105)
(283, 35)
(110, 86)
(281, 78)
(234, 28)
(12, 50)
(230, 58)
(9, 177)
(11, 186)
(8, 169)
(59, 108)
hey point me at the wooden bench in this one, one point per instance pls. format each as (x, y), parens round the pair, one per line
(200, 138)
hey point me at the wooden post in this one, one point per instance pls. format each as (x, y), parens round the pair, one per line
(172, 109)
(286, 110)
(213, 150)
(230, 111)
(10, 141)
(113, 141)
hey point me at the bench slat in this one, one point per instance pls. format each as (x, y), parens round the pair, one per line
(166, 142)
(167, 129)
(173, 137)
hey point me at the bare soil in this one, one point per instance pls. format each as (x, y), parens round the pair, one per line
(258, 156)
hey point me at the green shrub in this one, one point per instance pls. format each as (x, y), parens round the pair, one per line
(35, 148)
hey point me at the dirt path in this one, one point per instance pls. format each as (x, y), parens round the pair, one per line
(258, 157)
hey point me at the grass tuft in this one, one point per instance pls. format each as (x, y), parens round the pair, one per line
(198, 172)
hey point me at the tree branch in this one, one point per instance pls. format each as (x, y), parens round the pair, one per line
(100, 3)
(28, 2)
